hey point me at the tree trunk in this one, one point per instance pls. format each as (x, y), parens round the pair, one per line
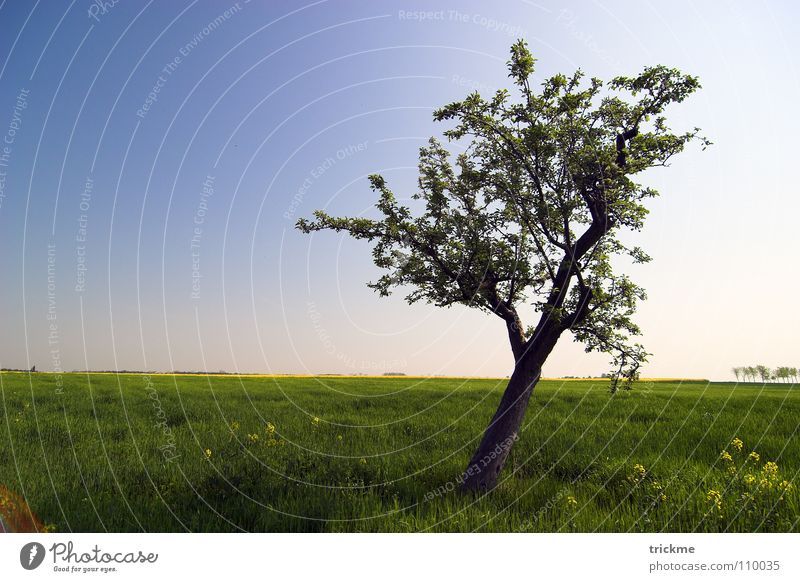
(484, 468)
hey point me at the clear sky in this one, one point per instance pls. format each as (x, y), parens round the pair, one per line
(156, 155)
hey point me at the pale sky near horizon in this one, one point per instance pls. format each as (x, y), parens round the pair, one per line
(155, 156)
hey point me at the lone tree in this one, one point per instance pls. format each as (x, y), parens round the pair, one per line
(531, 213)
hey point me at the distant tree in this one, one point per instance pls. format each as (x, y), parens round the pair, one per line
(531, 212)
(763, 372)
(785, 373)
(736, 372)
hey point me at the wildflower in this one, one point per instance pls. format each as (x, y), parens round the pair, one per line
(315, 421)
(639, 473)
(732, 469)
(270, 428)
(235, 426)
(726, 456)
(737, 444)
(571, 501)
(253, 437)
(339, 437)
(715, 497)
(755, 457)
(363, 461)
(208, 453)
(785, 485)
(658, 493)
(771, 468)
(749, 479)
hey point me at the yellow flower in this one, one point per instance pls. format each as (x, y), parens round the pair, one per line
(235, 426)
(715, 497)
(726, 456)
(315, 421)
(771, 468)
(208, 453)
(339, 437)
(732, 469)
(749, 479)
(785, 485)
(363, 461)
(253, 437)
(663, 497)
(270, 428)
(755, 457)
(639, 473)
(571, 501)
(737, 444)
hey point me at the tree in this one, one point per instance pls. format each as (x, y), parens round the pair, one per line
(785, 373)
(736, 372)
(531, 213)
(763, 372)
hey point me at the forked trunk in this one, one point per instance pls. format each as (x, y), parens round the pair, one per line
(484, 468)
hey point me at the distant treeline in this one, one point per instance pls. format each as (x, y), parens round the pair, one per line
(765, 374)
(186, 373)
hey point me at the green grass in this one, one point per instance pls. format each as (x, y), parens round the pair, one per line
(104, 452)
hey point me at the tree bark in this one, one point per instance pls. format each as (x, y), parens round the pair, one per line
(484, 468)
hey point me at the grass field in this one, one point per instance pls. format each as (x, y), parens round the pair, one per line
(176, 453)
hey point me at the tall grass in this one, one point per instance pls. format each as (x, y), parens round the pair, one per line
(224, 453)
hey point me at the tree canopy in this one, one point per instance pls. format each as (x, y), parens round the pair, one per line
(532, 209)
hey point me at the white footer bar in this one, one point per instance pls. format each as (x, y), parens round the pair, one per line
(398, 557)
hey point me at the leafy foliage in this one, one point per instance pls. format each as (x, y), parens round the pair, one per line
(532, 209)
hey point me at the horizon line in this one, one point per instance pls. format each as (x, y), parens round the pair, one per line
(335, 375)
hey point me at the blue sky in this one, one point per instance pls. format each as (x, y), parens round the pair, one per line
(160, 153)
